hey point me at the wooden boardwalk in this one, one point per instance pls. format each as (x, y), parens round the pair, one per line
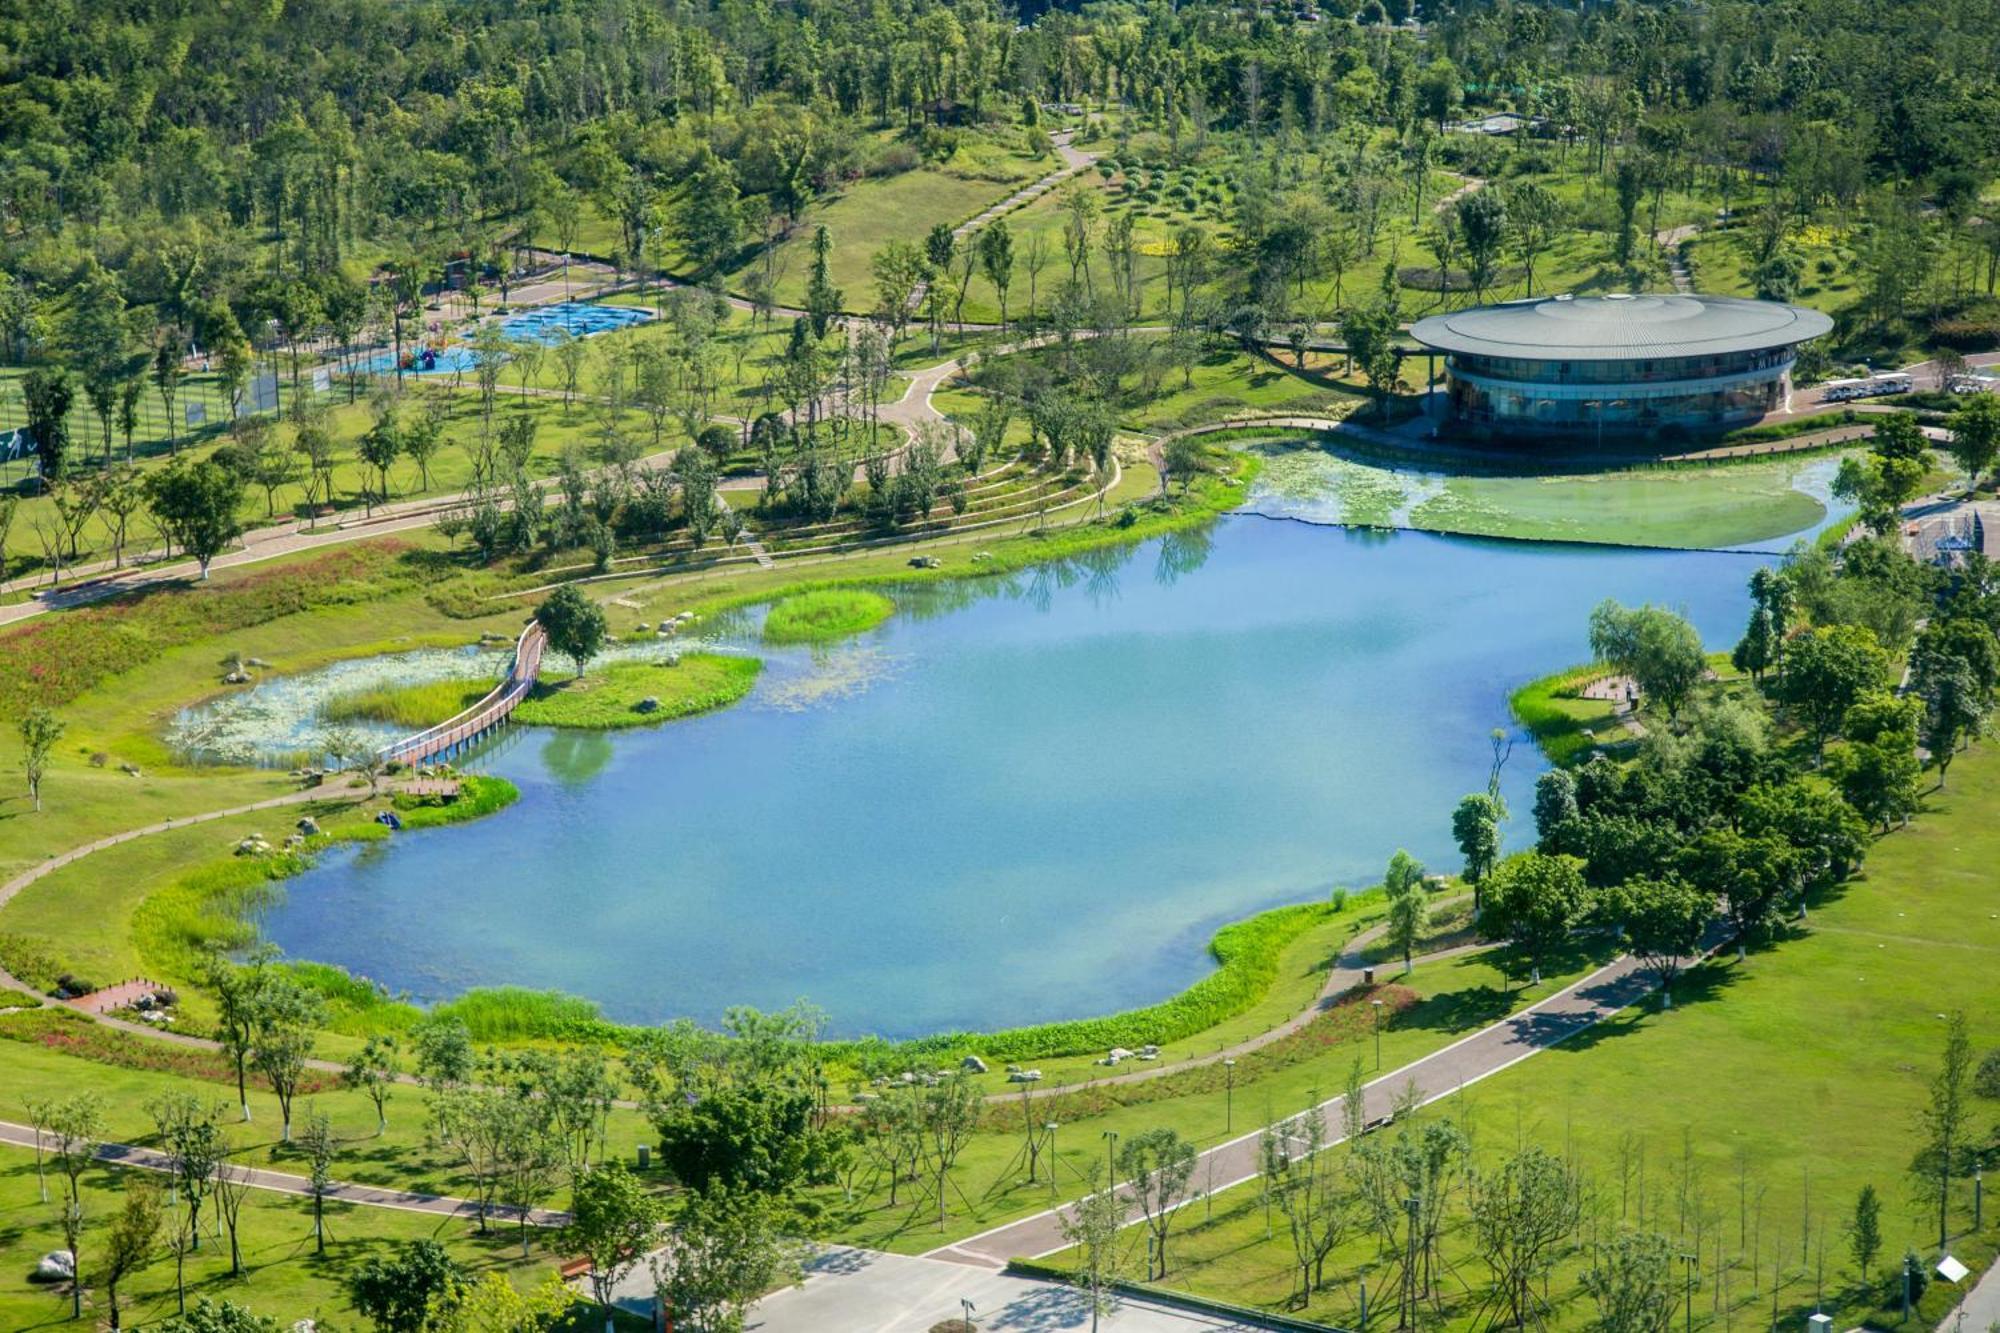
(483, 718)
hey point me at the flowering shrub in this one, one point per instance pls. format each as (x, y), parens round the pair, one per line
(72, 1034)
(55, 658)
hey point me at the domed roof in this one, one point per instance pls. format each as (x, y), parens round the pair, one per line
(1618, 328)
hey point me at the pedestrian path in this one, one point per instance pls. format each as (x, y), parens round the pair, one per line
(279, 1182)
(1456, 1067)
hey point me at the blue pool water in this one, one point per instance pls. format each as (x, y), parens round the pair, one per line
(1017, 800)
(540, 325)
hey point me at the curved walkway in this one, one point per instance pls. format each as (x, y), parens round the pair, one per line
(280, 1182)
(1465, 1062)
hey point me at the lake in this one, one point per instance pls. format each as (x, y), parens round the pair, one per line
(1019, 800)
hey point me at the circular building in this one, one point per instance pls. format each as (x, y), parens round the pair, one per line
(1590, 367)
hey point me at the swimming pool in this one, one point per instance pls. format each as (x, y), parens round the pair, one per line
(540, 325)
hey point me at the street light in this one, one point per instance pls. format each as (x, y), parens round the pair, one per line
(966, 1305)
(1229, 1097)
(1110, 1160)
(1051, 1128)
(1378, 1032)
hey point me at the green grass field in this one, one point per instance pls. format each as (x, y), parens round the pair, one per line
(1776, 1088)
(825, 615)
(610, 696)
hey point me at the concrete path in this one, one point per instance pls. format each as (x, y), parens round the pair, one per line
(279, 1182)
(1464, 1062)
(1979, 1312)
(862, 1291)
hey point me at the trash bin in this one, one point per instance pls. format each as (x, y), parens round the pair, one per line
(645, 1156)
(1367, 976)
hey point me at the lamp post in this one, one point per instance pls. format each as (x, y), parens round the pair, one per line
(1110, 1157)
(966, 1305)
(1690, 1260)
(1229, 1097)
(1051, 1128)
(1378, 1032)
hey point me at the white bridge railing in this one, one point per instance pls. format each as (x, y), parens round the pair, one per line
(484, 716)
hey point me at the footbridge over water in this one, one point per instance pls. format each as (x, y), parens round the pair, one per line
(456, 734)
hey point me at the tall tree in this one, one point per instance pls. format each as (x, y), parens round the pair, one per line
(1157, 1165)
(39, 730)
(198, 507)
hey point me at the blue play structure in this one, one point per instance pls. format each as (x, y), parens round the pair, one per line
(540, 325)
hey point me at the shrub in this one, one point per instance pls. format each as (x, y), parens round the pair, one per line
(57, 658)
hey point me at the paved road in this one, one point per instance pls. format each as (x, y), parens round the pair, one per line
(1464, 1062)
(278, 1182)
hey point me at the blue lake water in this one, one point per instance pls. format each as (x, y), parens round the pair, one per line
(1016, 801)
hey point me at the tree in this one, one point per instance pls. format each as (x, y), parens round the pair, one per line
(1631, 1282)
(1300, 1178)
(1475, 827)
(823, 299)
(1157, 1165)
(196, 506)
(1537, 217)
(615, 1222)
(288, 1020)
(39, 730)
(195, 1152)
(444, 1055)
(575, 625)
(1664, 920)
(1864, 1232)
(167, 383)
(133, 1241)
(1370, 334)
(373, 1070)
(758, 1137)
(1522, 1213)
(1533, 901)
(318, 1143)
(1409, 906)
(1877, 769)
(1826, 671)
(76, 1123)
(1092, 1225)
(1975, 434)
(898, 268)
(397, 1291)
(1942, 1126)
(1482, 226)
(728, 1248)
(1659, 650)
(996, 260)
(380, 446)
(1955, 708)
(46, 395)
(491, 1305)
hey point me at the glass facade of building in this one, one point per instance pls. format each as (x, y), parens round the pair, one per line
(1499, 395)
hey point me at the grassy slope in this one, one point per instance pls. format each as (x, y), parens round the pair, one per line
(1806, 1065)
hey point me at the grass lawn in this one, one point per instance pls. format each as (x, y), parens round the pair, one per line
(826, 614)
(1770, 1094)
(610, 697)
(1434, 1006)
(1565, 725)
(283, 1278)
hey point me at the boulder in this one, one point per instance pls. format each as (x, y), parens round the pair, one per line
(254, 845)
(649, 704)
(972, 1064)
(55, 1266)
(1025, 1076)
(1117, 1055)
(641, 627)
(237, 677)
(308, 826)
(925, 562)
